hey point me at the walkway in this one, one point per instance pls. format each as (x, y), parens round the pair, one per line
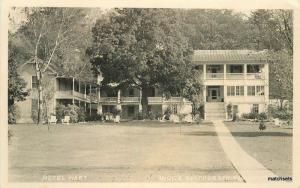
(250, 169)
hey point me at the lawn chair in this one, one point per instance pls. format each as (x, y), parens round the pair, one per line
(52, 120)
(117, 119)
(66, 120)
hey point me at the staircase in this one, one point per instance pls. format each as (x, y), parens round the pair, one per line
(215, 111)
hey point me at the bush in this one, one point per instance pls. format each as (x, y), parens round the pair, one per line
(285, 113)
(229, 110)
(13, 114)
(151, 115)
(262, 116)
(168, 113)
(140, 116)
(60, 112)
(95, 117)
(251, 115)
(81, 115)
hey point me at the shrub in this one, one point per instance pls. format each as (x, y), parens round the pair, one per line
(229, 110)
(60, 112)
(81, 114)
(140, 116)
(168, 113)
(13, 114)
(151, 115)
(251, 115)
(262, 116)
(34, 115)
(72, 111)
(285, 113)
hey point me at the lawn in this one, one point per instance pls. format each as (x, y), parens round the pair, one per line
(126, 152)
(272, 147)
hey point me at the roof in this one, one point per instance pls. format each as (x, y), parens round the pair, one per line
(229, 55)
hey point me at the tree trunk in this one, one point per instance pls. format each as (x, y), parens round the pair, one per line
(40, 100)
(144, 101)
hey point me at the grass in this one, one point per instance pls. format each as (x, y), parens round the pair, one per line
(126, 152)
(272, 147)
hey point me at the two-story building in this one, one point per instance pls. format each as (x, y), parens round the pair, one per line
(236, 77)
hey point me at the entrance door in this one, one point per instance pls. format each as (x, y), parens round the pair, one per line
(214, 94)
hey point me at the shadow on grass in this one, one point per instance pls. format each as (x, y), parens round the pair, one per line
(240, 134)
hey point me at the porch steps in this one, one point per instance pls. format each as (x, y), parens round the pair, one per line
(215, 111)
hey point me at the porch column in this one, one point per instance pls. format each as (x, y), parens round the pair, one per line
(99, 108)
(90, 109)
(204, 100)
(79, 88)
(225, 71)
(266, 72)
(119, 107)
(245, 71)
(204, 71)
(90, 89)
(140, 101)
(73, 87)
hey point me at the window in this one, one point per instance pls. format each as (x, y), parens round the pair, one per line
(260, 90)
(230, 90)
(255, 108)
(131, 93)
(251, 90)
(239, 91)
(34, 82)
(253, 68)
(235, 90)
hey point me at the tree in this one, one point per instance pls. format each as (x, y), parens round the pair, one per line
(273, 30)
(216, 29)
(144, 48)
(16, 85)
(55, 37)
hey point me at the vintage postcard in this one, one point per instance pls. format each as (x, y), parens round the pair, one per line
(103, 93)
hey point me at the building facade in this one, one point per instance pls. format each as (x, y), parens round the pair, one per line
(236, 77)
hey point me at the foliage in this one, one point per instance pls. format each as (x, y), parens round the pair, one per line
(60, 112)
(168, 113)
(229, 110)
(76, 113)
(144, 48)
(54, 37)
(16, 85)
(285, 113)
(251, 115)
(209, 29)
(13, 114)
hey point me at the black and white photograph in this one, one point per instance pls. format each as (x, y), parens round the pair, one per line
(149, 95)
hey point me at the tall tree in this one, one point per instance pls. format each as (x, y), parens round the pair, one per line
(273, 30)
(144, 48)
(16, 85)
(53, 36)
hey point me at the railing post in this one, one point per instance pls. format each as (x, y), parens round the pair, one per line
(245, 71)
(140, 101)
(204, 71)
(225, 71)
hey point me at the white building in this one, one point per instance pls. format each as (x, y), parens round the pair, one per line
(237, 77)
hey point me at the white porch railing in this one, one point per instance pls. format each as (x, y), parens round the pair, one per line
(174, 99)
(214, 75)
(155, 99)
(130, 99)
(235, 76)
(254, 76)
(108, 99)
